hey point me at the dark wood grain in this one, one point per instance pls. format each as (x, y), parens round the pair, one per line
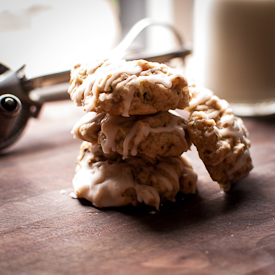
(43, 231)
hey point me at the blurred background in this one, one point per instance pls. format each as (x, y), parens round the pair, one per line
(51, 36)
(232, 41)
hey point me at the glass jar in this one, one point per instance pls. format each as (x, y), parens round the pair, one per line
(234, 52)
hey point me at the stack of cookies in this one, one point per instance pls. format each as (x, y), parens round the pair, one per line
(132, 142)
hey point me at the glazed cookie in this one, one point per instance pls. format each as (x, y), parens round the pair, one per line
(162, 134)
(110, 181)
(220, 137)
(126, 88)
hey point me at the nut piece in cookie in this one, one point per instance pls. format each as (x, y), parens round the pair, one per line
(126, 88)
(110, 181)
(220, 137)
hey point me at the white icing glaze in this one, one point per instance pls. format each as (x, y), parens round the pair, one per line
(127, 140)
(213, 114)
(163, 79)
(102, 97)
(145, 131)
(165, 181)
(199, 114)
(146, 194)
(170, 170)
(231, 130)
(87, 118)
(202, 95)
(100, 74)
(110, 128)
(223, 104)
(240, 162)
(128, 100)
(208, 134)
(227, 119)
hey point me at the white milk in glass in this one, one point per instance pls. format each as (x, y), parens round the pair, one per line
(234, 49)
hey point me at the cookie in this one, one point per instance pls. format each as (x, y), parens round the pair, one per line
(110, 181)
(162, 134)
(219, 136)
(127, 88)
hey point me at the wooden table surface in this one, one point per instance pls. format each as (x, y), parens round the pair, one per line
(45, 231)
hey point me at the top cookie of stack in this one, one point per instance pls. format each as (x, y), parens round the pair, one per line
(132, 145)
(127, 88)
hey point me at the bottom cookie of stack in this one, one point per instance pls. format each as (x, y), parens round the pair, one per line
(108, 180)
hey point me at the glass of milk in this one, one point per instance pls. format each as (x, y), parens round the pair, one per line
(234, 52)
